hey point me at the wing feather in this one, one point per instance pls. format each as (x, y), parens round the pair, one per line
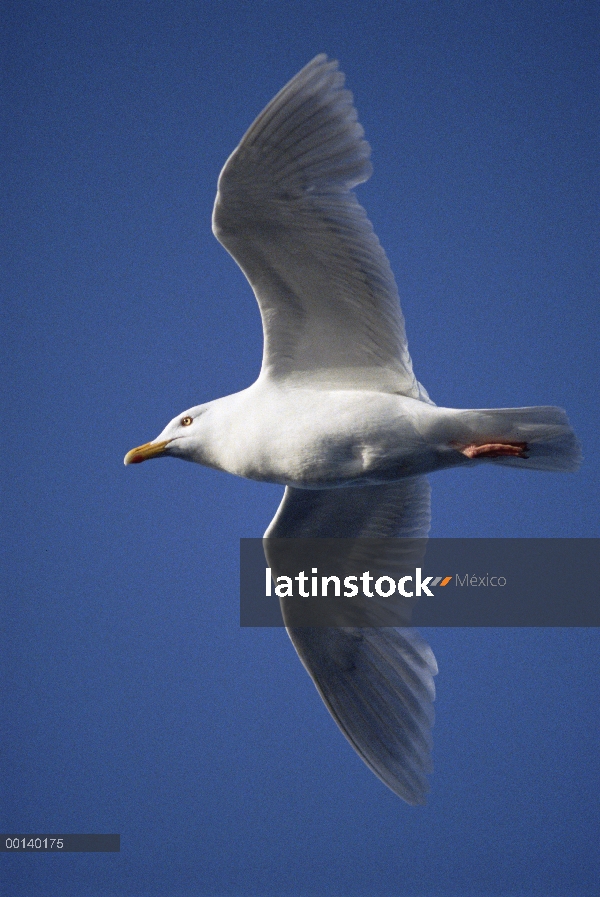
(285, 212)
(376, 683)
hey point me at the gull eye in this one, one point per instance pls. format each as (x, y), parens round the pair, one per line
(186, 421)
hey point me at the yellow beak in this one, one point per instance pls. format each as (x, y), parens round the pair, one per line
(143, 452)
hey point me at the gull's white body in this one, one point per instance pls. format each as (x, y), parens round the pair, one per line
(337, 415)
(317, 438)
(323, 438)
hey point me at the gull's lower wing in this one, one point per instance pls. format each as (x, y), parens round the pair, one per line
(400, 510)
(377, 683)
(285, 212)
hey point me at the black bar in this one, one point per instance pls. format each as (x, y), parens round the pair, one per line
(419, 582)
(60, 843)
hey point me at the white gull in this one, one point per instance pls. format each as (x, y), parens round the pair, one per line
(336, 414)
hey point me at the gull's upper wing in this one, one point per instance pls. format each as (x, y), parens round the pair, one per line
(285, 211)
(376, 683)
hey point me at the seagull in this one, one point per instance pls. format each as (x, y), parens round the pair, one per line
(337, 415)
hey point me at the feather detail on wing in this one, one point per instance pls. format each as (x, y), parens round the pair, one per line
(377, 683)
(285, 211)
(400, 510)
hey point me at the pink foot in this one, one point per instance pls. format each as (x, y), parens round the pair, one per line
(496, 450)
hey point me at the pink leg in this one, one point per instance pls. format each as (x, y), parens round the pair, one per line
(495, 450)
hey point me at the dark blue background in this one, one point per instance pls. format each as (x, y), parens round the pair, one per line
(132, 700)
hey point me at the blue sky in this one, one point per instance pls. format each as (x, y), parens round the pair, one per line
(133, 701)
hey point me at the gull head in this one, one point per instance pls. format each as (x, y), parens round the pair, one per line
(182, 438)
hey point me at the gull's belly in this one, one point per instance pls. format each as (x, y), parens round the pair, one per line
(320, 440)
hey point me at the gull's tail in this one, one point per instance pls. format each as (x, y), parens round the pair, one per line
(551, 443)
